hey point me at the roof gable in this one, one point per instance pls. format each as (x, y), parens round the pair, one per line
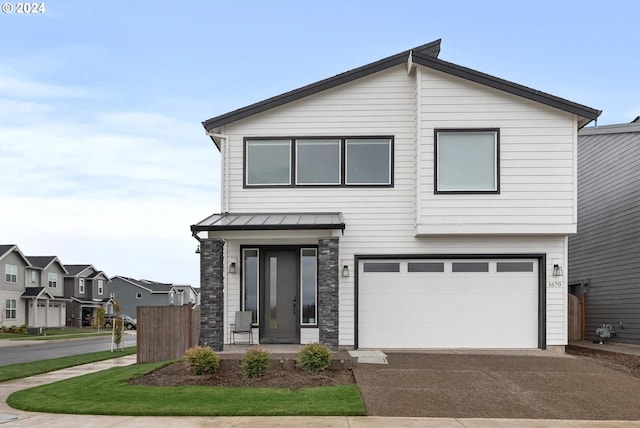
(425, 55)
(44, 262)
(150, 286)
(5, 250)
(76, 270)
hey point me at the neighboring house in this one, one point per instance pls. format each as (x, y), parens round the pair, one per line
(12, 286)
(45, 291)
(86, 287)
(132, 293)
(408, 203)
(604, 257)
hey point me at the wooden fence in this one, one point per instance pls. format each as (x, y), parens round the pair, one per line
(166, 332)
(575, 318)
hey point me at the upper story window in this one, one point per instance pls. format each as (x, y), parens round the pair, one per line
(34, 277)
(81, 286)
(11, 273)
(467, 161)
(100, 286)
(53, 280)
(357, 161)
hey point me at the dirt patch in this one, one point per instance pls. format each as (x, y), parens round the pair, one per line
(230, 374)
(626, 363)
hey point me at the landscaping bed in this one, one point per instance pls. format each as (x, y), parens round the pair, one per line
(626, 363)
(281, 374)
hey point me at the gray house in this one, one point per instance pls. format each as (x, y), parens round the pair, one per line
(44, 292)
(132, 293)
(604, 256)
(86, 287)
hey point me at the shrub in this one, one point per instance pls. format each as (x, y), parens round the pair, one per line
(255, 362)
(202, 360)
(314, 357)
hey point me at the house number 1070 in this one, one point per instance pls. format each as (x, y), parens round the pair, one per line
(555, 284)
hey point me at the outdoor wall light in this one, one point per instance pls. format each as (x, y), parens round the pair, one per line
(557, 270)
(198, 249)
(232, 265)
(345, 271)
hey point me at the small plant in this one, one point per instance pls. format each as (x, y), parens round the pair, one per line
(202, 360)
(255, 362)
(314, 357)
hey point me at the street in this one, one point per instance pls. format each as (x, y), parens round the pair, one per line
(14, 351)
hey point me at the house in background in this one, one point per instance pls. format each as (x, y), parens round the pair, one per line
(408, 203)
(12, 286)
(132, 293)
(44, 292)
(86, 287)
(604, 256)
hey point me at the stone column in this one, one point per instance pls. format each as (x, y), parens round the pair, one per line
(328, 292)
(212, 293)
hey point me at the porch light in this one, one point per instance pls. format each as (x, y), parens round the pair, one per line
(198, 249)
(345, 271)
(557, 270)
(232, 265)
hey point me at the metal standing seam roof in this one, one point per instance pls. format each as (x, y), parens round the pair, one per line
(270, 221)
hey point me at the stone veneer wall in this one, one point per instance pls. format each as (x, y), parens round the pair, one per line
(212, 293)
(328, 292)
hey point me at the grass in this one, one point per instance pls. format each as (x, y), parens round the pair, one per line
(109, 393)
(21, 370)
(58, 333)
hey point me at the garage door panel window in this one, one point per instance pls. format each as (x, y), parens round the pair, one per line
(515, 267)
(382, 267)
(467, 161)
(470, 267)
(425, 267)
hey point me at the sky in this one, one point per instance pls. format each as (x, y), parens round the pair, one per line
(103, 158)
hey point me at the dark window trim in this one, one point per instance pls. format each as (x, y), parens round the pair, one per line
(343, 165)
(435, 162)
(542, 282)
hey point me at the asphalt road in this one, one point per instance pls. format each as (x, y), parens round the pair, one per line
(12, 352)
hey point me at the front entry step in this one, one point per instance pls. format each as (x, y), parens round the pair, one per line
(370, 357)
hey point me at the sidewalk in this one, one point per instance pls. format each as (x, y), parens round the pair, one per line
(11, 418)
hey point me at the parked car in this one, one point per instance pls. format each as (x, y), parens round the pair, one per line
(128, 322)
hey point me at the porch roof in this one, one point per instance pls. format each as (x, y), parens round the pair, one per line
(270, 221)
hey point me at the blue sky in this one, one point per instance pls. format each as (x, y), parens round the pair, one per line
(103, 158)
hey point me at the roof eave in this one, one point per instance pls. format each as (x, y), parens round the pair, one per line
(586, 113)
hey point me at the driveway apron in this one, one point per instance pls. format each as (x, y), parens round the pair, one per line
(497, 386)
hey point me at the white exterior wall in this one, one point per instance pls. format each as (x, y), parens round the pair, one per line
(537, 167)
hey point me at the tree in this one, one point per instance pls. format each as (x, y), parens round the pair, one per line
(99, 318)
(116, 333)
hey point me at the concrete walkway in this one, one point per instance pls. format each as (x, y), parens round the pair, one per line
(10, 418)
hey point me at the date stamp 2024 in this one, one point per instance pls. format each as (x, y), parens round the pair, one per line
(23, 8)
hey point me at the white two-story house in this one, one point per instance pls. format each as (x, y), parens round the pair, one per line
(408, 203)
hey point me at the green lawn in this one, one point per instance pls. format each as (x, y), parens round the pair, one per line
(109, 393)
(21, 370)
(58, 333)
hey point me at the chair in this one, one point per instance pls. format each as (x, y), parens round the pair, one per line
(242, 325)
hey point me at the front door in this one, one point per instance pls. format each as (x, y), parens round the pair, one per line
(279, 297)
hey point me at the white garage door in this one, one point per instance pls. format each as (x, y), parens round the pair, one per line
(477, 303)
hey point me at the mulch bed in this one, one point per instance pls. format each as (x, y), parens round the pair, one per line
(626, 363)
(231, 375)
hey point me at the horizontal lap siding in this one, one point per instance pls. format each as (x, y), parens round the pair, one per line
(605, 249)
(536, 156)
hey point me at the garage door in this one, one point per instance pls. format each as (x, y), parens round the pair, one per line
(410, 304)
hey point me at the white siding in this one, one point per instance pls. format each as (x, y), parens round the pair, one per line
(537, 161)
(537, 168)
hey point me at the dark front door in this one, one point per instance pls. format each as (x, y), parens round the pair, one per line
(279, 297)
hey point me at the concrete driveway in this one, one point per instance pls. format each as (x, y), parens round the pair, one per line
(497, 386)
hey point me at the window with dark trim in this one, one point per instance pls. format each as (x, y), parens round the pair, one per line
(467, 161)
(470, 267)
(318, 161)
(425, 267)
(514, 267)
(382, 267)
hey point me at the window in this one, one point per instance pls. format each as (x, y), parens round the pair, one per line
(308, 285)
(81, 286)
(250, 272)
(268, 162)
(514, 267)
(53, 280)
(470, 267)
(425, 267)
(34, 277)
(10, 309)
(318, 162)
(11, 273)
(467, 161)
(382, 267)
(368, 161)
(100, 286)
(352, 161)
